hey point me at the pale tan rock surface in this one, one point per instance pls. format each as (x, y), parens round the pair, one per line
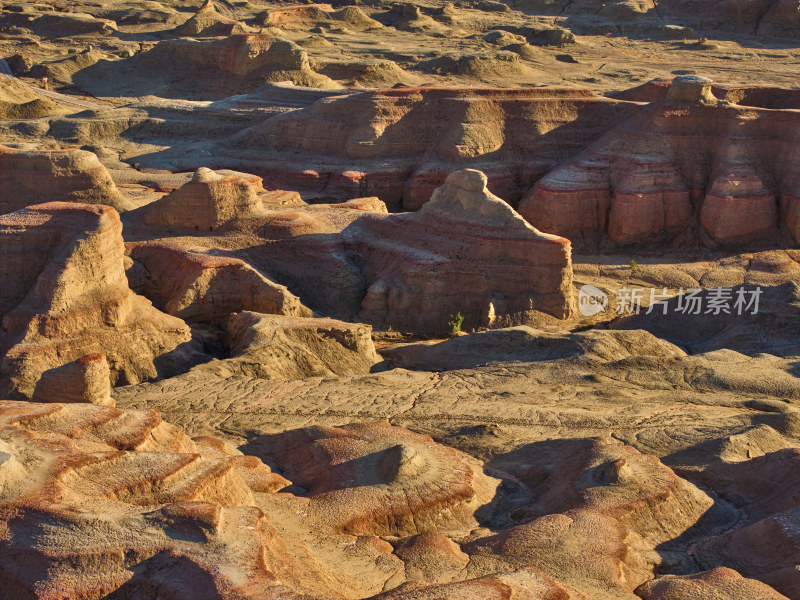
(65, 295)
(69, 175)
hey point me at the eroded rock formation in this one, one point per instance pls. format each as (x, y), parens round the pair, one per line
(210, 200)
(35, 177)
(285, 347)
(415, 271)
(377, 479)
(65, 295)
(371, 143)
(200, 285)
(686, 170)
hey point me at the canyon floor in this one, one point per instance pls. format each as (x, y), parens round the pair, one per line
(400, 300)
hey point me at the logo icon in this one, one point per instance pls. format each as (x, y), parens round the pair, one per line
(591, 300)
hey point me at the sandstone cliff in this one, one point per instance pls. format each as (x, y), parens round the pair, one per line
(687, 170)
(65, 295)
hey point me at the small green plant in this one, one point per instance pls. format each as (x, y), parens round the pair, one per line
(634, 265)
(455, 323)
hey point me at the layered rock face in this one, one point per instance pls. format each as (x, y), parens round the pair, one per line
(443, 259)
(99, 501)
(685, 170)
(371, 143)
(65, 295)
(415, 271)
(285, 347)
(199, 285)
(210, 200)
(132, 506)
(34, 177)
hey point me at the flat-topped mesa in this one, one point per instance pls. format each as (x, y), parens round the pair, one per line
(685, 170)
(34, 177)
(691, 89)
(87, 379)
(210, 200)
(466, 251)
(65, 295)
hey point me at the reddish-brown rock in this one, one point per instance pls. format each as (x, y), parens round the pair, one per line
(718, 584)
(65, 295)
(373, 478)
(688, 168)
(87, 379)
(210, 200)
(467, 251)
(527, 583)
(130, 505)
(198, 284)
(34, 177)
(400, 144)
(286, 347)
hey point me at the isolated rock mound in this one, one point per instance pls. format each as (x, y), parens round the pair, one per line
(198, 285)
(466, 251)
(34, 177)
(686, 170)
(66, 295)
(373, 478)
(718, 584)
(210, 200)
(285, 347)
(209, 22)
(87, 379)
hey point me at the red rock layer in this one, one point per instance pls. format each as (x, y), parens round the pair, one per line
(65, 295)
(121, 502)
(682, 172)
(210, 200)
(373, 478)
(196, 285)
(743, 95)
(400, 144)
(467, 251)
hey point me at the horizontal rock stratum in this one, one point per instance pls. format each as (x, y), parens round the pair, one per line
(684, 169)
(466, 251)
(65, 295)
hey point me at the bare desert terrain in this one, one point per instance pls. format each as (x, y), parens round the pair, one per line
(396, 300)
